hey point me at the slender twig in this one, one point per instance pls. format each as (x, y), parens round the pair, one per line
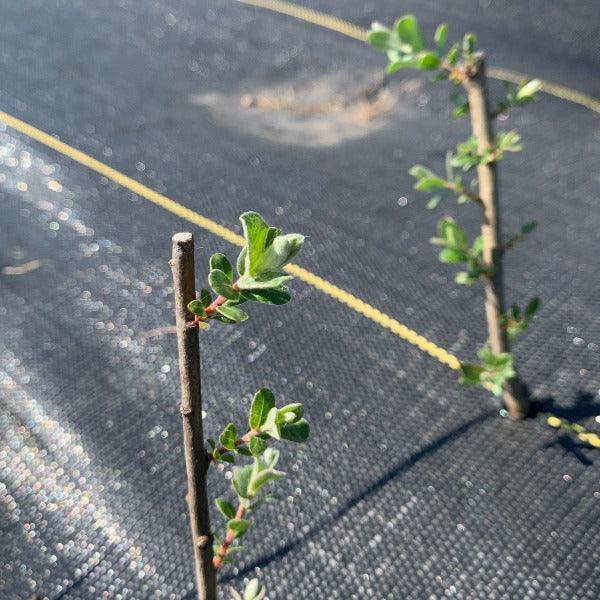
(196, 461)
(462, 190)
(212, 307)
(223, 550)
(481, 123)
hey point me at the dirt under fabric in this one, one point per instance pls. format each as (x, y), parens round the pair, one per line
(411, 487)
(315, 113)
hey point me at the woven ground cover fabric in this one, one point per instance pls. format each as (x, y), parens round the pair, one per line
(412, 486)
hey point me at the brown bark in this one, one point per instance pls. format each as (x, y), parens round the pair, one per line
(514, 397)
(196, 459)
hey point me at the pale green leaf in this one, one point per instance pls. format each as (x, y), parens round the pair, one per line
(262, 403)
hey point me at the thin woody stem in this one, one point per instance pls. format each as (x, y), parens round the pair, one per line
(461, 190)
(475, 85)
(212, 307)
(196, 462)
(223, 550)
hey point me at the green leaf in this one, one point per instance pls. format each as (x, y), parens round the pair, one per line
(491, 360)
(406, 62)
(270, 425)
(241, 261)
(267, 251)
(290, 413)
(469, 43)
(455, 236)
(196, 308)
(528, 89)
(225, 508)
(463, 278)
(256, 232)
(232, 313)
(222, 319)
(263, 281)
(263, 471)
(254, 591)
(238, 526)
(222, 285)
(262, 403)
(477, 247)
(528, 227)
(409, 32)
(276, 296)
(532, 307)
(380, 39)
(430, 183)
(460, 104)
(219, 262)
(428, 61)
(205, 297)
(515, 312)
(452, 56)
(440, 36)
(257, 446)
(471, 374)
(229, 437)
(298, 431)
(241, 479)
(509, 141)
(269, 459)
(452, 255)
(279, 252)
(421, 172)
(433, 202)
(261, 477)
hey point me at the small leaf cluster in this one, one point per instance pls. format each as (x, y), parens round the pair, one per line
(428, 181)
(493, 372)
(253, 591)
(251, 482)
(405, 46)
(260, 273)
(467, 155)
(456, 249)
(523, 232)
(265, 422)
(518, 95)
(515, 322)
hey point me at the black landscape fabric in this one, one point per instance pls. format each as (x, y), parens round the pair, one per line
(412, 486)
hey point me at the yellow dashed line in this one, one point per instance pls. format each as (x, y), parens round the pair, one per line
(554, 89)
(121, 179)
(375, 315)
(331, 290)
(358, 33)
(311, 16)
(338, 25)
(328, 288)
